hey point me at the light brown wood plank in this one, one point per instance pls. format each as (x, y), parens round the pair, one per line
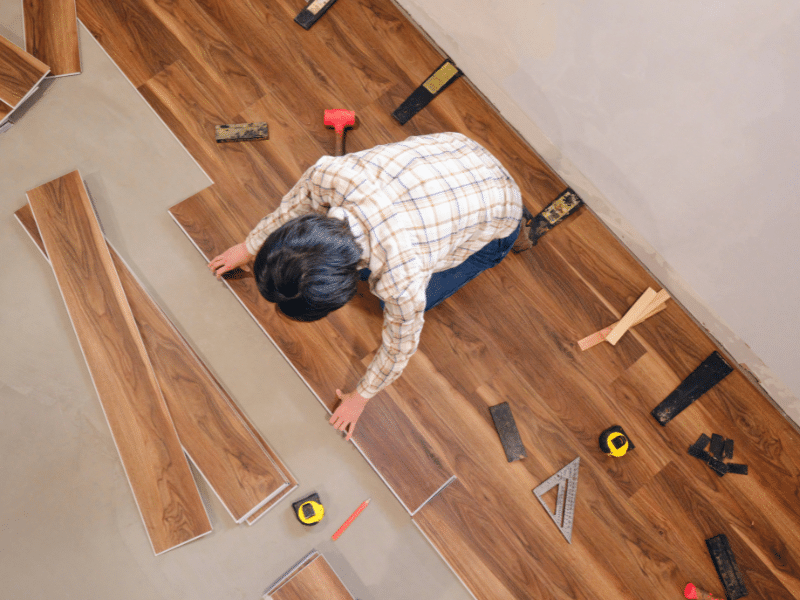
(145, 436)
(5, 110)
(314, 579)
(236, 461)
(19, 72)
(51, 34)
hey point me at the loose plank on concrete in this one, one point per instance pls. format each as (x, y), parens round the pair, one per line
(238, 464)
(154, 462)
(51, 34)
(19, 73)
(311, 579)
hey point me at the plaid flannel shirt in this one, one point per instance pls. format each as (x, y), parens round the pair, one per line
(415, 208)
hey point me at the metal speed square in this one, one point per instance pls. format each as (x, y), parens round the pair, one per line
(567, 481)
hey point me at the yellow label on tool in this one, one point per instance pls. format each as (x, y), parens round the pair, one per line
(316, 6)
(444, 74)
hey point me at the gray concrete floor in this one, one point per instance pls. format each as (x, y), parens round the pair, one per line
(69, 527)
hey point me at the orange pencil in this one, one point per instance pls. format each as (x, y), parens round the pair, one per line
(352, 518)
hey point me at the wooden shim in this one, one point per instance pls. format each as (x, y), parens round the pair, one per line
(152, 457)
(311, 579)
(634, 314)
(19, 73)
(51, 34)
(655, 307)
(236, 461)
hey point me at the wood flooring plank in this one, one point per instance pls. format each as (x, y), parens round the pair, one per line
(145, 436)
(313, 580)
(386, 436)
(51, 34)
(19, 72)
(238, 464)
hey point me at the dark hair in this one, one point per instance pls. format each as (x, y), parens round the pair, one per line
(308, 267)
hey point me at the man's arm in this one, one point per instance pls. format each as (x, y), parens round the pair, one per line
(402, 325)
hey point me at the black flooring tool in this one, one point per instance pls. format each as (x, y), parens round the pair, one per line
(242, 132)
(710, 372)
(443, 76)
(727, 569)
(555, 212)
(508, 432)
(312, 13)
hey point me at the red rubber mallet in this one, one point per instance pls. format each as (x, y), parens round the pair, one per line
(692, 592)
(338, 118)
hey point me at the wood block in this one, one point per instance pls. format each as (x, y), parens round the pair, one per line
(19, 73)
(143, 432)
(640, 307)
(311, 579)
(239, 466)
(51, 34)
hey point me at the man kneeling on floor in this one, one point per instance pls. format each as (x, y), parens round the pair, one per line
(419, 218)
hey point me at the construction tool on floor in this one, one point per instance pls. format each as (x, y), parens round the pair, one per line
(567, 481)
(710, 372)
(443, 76)
(720, 448)
(241, 132)
(508, 432)
(692, 592)
(656, 305)
(555, 212)
(727, 569)
(615, 442)
(309, 510)
(339, 119)
(350, 519)
(312, 13)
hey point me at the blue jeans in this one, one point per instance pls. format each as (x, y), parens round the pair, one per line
(446, 283)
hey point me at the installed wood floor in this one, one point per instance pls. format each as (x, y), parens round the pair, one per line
(144, 434)
(51, 34)
(241, 468)
(511, 335)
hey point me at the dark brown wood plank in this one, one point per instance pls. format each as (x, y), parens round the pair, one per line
(148, 445)
(19, 72)
(312, 580)
(388, 438)
(511, 335)
(241, 468)
(51, 34)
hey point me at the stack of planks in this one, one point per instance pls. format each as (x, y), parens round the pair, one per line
(160, 400)
(51, 34)
(20, 76)
(310, 579)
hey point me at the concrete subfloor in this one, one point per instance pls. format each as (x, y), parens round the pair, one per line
(69, 527)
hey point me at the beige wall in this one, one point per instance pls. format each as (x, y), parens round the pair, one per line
(678, 123)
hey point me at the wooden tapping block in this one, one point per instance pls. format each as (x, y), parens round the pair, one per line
(654, 307)
(51, 34)
(555, 212)
(710, 372)
(727, 569)
(151, 454)
(312, 13)
(508, 432)
(241, 132)
(635, 312)
(443, 76)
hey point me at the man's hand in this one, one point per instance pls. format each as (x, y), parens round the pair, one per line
(233, 257)
(348, 411)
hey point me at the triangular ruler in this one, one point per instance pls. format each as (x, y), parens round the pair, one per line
(567, 481)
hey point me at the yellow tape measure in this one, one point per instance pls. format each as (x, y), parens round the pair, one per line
(309, 510)
(614, 442)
